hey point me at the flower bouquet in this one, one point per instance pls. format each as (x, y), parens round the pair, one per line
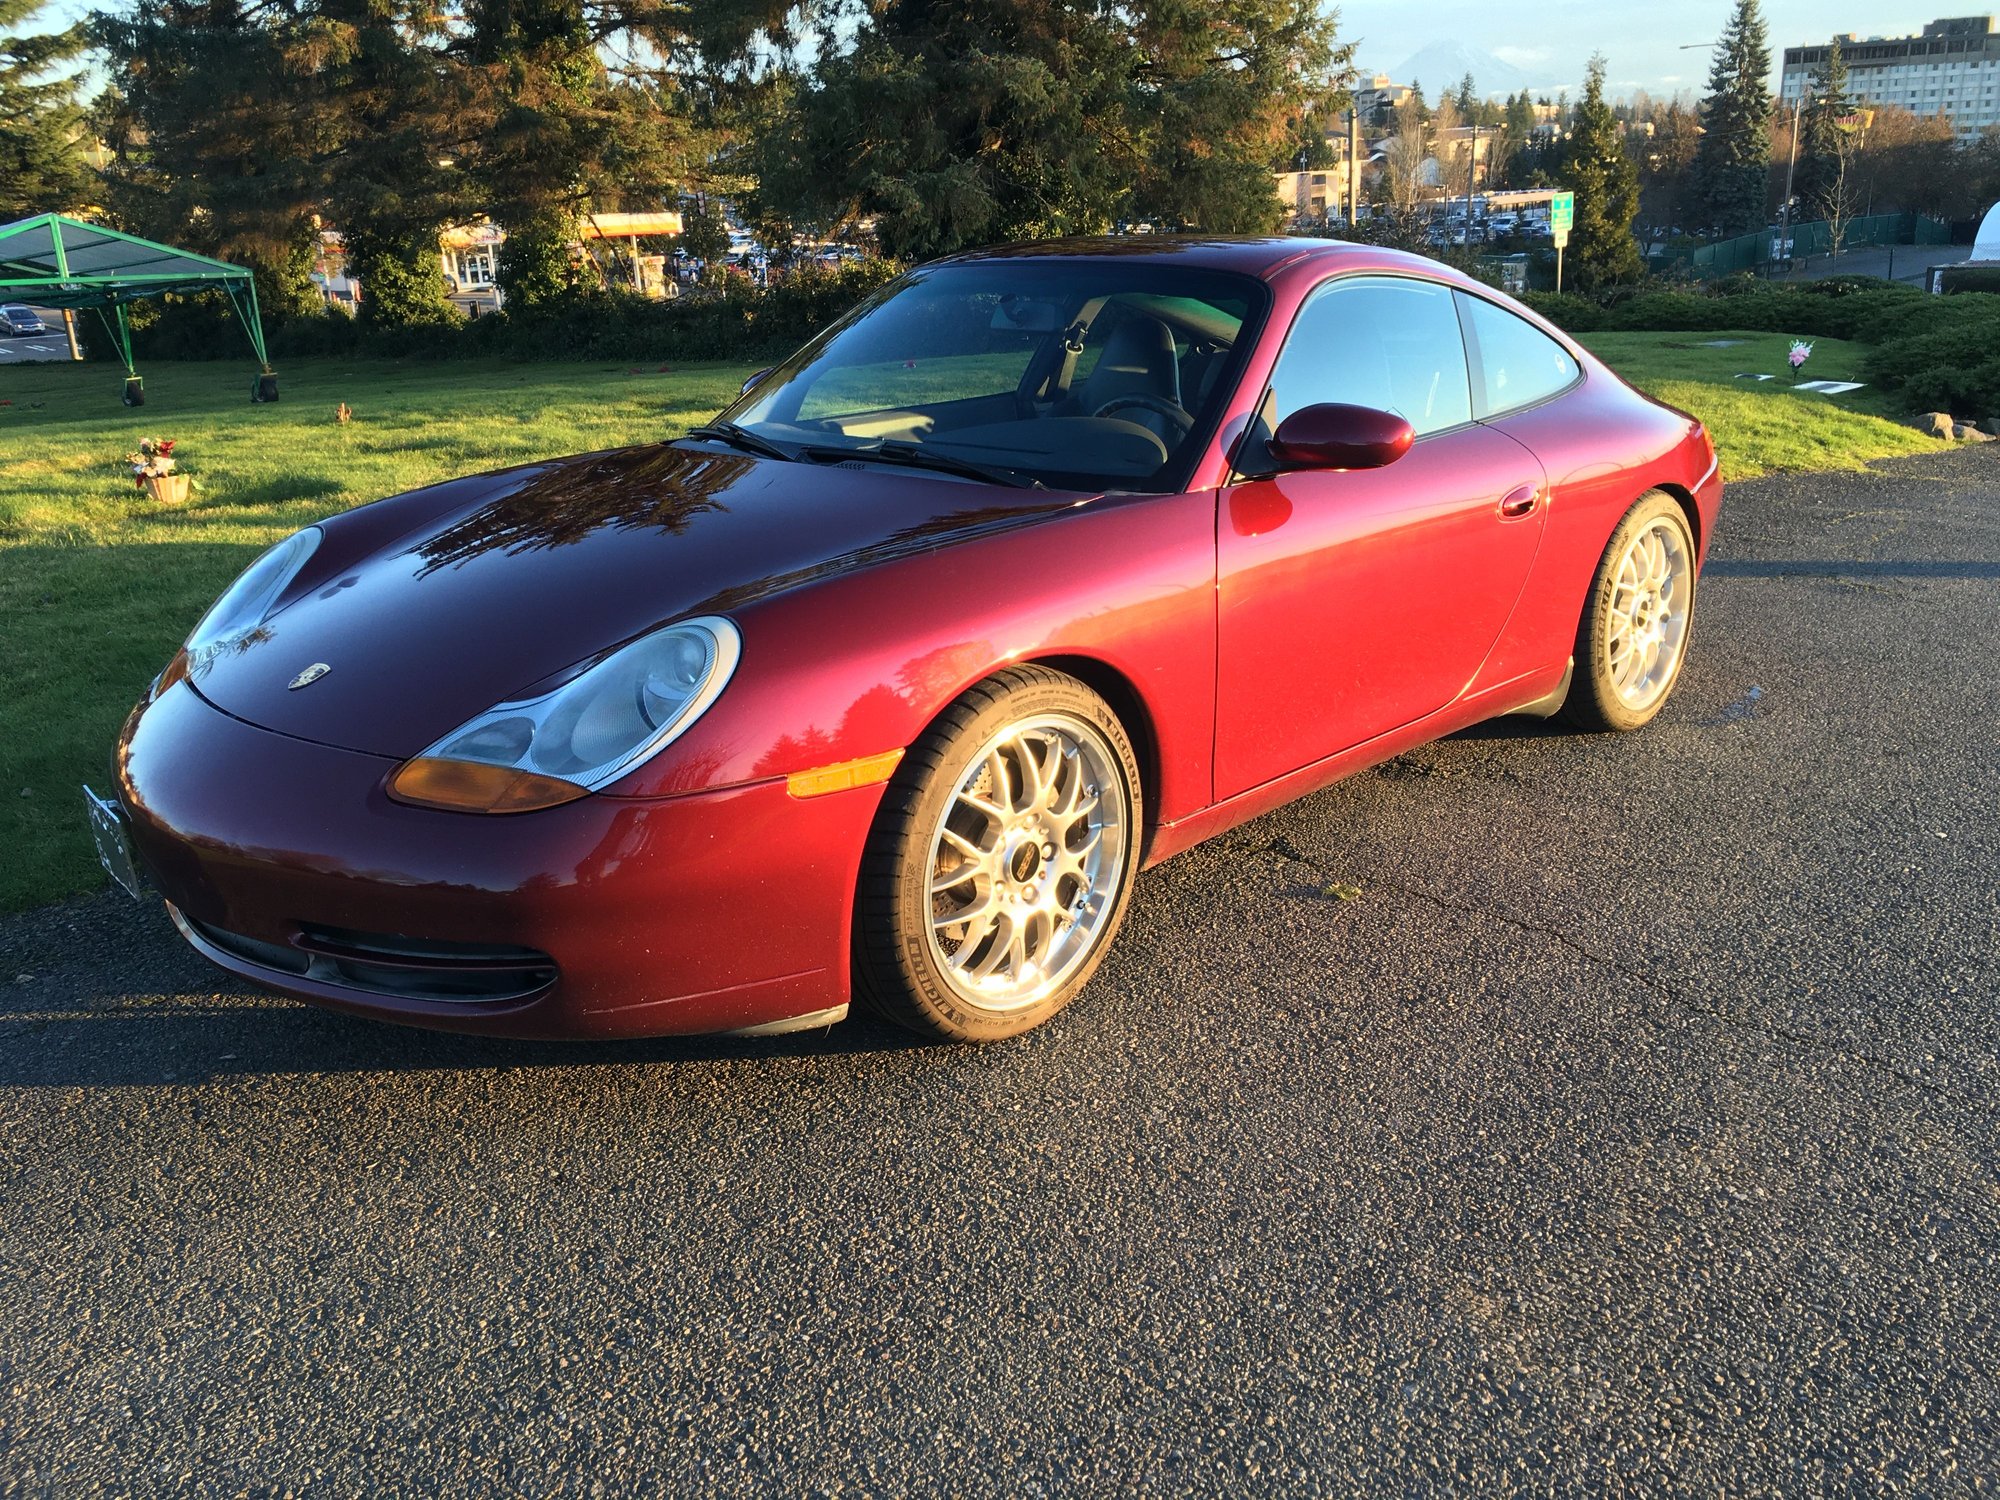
(154, 472)
(1801, 352)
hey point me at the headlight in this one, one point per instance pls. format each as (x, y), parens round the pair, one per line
(615, 714)
(243, 607)
(245, 603)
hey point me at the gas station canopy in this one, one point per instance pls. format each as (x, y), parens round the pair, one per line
(52, 260)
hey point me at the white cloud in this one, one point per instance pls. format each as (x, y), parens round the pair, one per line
(1522, 57)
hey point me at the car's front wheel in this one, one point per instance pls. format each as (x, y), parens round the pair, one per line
(1633, 636)
(1001, 861)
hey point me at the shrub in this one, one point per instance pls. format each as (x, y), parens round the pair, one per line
(1970, 279)
(1567, 310)
(1848, 308)
(738, 321)
(1948, 361)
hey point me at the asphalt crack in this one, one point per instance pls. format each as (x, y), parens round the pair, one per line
(1286, 849)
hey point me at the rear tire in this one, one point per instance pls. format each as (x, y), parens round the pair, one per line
(1633, 638)
(1018, 815)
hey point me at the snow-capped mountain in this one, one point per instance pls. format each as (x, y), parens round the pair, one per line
(1440, 66)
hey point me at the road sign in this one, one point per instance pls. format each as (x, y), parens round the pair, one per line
(1562, 214)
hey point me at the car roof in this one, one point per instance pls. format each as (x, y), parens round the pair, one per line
(1262, 256)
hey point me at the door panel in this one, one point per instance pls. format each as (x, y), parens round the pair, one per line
(1354, 603)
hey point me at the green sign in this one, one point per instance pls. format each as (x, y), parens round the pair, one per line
(1562, 211)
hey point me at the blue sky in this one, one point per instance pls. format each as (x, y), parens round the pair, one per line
(1640, 41)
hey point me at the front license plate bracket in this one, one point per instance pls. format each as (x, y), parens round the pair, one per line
(114, 843)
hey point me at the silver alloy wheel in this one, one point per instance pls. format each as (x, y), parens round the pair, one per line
(1026, 861)
(1653, 588)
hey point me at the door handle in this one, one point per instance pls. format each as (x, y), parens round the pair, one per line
(1520, 501)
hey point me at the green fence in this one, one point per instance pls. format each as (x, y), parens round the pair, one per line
(1758, 252)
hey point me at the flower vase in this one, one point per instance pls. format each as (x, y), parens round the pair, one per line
(167, 489)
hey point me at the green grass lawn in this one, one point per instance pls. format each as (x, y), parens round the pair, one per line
(98, 585)
(1763, 427)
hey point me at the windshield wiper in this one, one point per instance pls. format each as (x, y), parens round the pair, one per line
(916, 456)
(742, 438)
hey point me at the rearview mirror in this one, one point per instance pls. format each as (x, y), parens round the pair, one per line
(754, 378)
(1025, 315)
(1335, 436)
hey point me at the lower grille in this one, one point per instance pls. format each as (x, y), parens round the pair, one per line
(391, 965)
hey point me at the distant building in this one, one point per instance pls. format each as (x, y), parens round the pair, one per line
(1376, 98)
(1952, 69)
(1316, 194)
(469, 256)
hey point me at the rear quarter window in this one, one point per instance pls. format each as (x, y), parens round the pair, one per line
(1514, 363)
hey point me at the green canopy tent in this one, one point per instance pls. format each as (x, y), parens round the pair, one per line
(52, 260)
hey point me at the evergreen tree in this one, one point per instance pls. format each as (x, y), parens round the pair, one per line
(962, 124)
(41, 162)
(400, 122)
(241, 126)
(562, 134)
(1467, 98)
(1732, 166)
(1218, 89)
(217, 145)
(1605, 180)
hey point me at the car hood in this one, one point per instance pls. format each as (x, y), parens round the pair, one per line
(431, 607)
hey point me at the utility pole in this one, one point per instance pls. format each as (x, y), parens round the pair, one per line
(1791, 166)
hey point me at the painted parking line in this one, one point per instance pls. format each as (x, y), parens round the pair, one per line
(22, 350)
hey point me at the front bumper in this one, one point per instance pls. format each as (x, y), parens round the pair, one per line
(286, 863)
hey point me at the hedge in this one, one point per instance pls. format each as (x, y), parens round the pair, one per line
(742, 321)
(1932, 353)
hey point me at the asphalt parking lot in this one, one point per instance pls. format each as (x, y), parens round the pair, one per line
(1636, 1130)
(51, 345)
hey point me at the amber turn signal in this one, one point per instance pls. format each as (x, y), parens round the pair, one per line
(175, 671)
(849, 773)
(470, 786)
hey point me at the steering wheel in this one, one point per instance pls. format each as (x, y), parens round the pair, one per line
(1183, 423)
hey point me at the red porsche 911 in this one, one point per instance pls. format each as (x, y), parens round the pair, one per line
(1041, 565)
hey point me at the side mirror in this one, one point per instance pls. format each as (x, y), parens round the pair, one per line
(1333, 436)
(755, 376)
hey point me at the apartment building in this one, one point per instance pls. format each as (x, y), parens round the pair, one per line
(1951, 69)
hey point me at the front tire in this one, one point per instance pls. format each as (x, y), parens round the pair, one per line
(1001, 860)
(1632, 640)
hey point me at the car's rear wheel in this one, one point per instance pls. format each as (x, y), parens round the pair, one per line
(1633, 637)
(1001, 860)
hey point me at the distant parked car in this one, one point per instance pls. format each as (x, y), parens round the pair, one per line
(19, 321)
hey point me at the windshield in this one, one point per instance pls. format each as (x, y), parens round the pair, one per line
(1084, 374)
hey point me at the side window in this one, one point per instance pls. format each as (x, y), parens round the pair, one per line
(1517, 363)
(1380, 342)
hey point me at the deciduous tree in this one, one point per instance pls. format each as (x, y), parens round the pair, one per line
(1829, 137)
